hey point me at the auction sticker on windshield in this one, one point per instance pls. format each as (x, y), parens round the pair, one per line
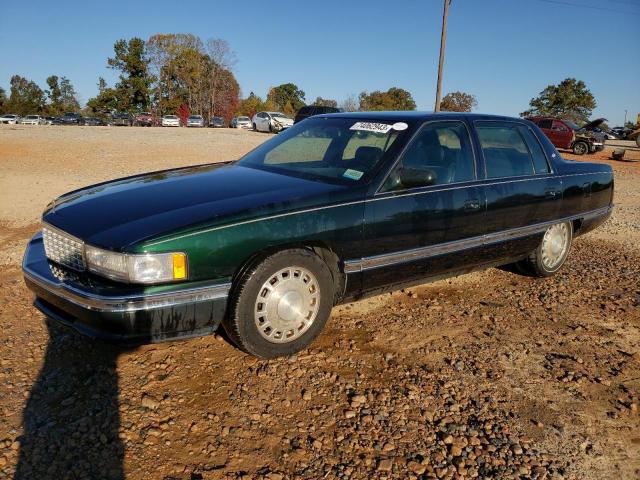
(352, 174)
(371, 127)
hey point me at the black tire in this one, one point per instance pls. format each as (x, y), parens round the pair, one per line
(534, 265)
(580, 148)
(241, 320)
(255, 127)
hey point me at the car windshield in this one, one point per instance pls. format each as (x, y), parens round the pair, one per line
(195, 117)
(243, 119)
(32, 117)
(170, 117)
(279, 115)
(334, 150)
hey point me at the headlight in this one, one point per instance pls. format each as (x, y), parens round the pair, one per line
(138, 268)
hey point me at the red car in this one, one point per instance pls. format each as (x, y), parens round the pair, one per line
(566, 134)
(145, 119)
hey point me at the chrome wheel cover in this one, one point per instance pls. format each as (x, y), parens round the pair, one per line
(287, 305)
(554, 245)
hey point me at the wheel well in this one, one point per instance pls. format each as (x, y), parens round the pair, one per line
(328, 256)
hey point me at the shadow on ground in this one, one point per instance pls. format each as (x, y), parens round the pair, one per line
(71, 418)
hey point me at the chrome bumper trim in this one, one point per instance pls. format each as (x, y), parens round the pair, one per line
(127, 303)
(421, 253)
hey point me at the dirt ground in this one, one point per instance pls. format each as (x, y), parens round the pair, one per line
(489, 375)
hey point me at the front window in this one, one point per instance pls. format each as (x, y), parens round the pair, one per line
(336, 150)
(572, 125)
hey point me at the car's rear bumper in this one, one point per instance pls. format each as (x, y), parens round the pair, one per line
(117, 313)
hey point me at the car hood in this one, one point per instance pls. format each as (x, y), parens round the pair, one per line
(594, 124)
(128, 211)
(284, 121)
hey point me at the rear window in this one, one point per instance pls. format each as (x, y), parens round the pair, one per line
(505, 151)
(544, 123)
(535, 149)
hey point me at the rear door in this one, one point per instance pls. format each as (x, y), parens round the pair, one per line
(562, 133)
(521, 189)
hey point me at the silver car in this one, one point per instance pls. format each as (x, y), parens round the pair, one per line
(33, 120)
(240, 122)
(195, 121)
(10, 119)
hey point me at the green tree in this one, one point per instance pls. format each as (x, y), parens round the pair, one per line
(3, 98)
(25, 97)
(570, 99)
(458, 102)
(325, 102)
(392, 99)
(102, 85)
(287, 98)
(62, 96)
(135, 81)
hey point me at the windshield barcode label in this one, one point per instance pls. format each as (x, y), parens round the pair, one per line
(371, 127)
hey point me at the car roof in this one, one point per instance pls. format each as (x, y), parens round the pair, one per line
(398, 116)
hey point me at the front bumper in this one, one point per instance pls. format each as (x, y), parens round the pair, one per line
(131, 314)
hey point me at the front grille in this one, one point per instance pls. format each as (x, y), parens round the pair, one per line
(63, 248)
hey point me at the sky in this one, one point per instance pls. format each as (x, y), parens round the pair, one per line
(503, 51)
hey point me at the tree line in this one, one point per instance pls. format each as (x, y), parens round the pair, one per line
(181, 74)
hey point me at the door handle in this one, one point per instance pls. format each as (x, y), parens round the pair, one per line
(472, 205)
(551, 193)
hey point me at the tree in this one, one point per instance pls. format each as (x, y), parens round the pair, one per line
(135, 81)
(25, 97)
(102, 85)
(325, 102)
(570, 99)
(287, 98)
(350, 104)
(251, 105)
(392, 99)
(62, 95)
(3, 98)
(458, 102)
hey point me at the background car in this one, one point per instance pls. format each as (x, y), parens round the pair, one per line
(271, 122)
(170, 121)
(566, 134)
(122, 119)
(311, 110)
(32, 120)
(217, 122)
(49, 120)
(95, 122)
(195, 121)
(240, 122)
(70, 118)
(10, 119)
(145, 119)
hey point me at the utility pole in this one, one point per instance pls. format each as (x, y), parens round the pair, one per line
(625, 119)
(443, 41)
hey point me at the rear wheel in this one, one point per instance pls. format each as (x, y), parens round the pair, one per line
(552, 252)
(281, 304)
(580, 148)
(255, 127)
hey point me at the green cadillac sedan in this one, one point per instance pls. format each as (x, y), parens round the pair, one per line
(335, 208)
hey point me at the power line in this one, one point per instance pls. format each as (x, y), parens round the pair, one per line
(593, 7)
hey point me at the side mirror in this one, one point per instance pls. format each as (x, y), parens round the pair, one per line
(417, 177)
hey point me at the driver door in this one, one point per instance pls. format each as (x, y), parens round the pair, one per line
(414, 231)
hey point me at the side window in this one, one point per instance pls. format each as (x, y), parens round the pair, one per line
(559, 126)
(535, 149)
(505, 151)
(545, 124)
(442, 150)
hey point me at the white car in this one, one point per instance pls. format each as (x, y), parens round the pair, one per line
(33, 120)
(195, 121)
(170, 121)
(241, 122)
(271, 122)
(10, 119)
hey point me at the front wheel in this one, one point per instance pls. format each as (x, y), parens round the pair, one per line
(281, 304)
(580, 148)
(552, 252)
